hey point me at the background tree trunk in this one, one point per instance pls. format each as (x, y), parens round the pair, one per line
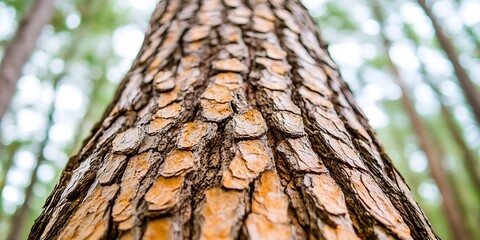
(232, 123)
(20, 48)
(466, 84)
(451, 206)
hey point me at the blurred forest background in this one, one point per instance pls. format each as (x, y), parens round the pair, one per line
(388, 52)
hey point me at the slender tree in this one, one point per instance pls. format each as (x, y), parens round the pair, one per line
(20, 47)
(233, 122)
(469, 157)
(469, 88)
(7, 163)
(450, 204)
(17, 223)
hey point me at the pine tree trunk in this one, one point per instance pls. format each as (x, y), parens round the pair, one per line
(232, 123)
(451, 206)
(20, 48)
(466, 84)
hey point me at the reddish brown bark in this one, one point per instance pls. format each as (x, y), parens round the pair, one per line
(20, 48)
(232, 123)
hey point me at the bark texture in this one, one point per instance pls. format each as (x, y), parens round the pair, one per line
(20, 48)
(233, 123)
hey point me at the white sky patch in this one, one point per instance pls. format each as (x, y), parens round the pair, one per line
(316, 8)
(469, 12)
(56, 66)
(29, 88)
(370, 27)
(40, 59)
(68, 98)
(145, 6)
(403, 55)
(450, 89)
(414, 15)
(418, 162)
(374, 92)
(73, 20)
(392, 91)
(377, 118)
(18, 177)
(127, 41)
(7, 18)
(46, 173)
(28, 121)
(462, 113)
(347, 53)
(429, 190)
(426, 102)
(24, 159)
(61, 133)
(12, 194)
(434, 61)
(369, 51)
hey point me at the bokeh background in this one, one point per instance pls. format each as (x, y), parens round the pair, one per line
(90, 45)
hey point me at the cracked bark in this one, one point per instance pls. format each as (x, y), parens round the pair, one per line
(233, 123)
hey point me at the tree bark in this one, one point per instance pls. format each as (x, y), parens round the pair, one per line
(466, 84)
(20, 48)
(232, 123)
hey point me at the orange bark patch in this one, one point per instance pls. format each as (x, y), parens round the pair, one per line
(178, 162)
(128, 141)
(274, 51)
(193, 133)
(110, 167)
(157, 125)
(262, 25)
(274, 66)
(164, 193)
(289, 123)
(269, 199)
(216, 112)
(273, 82)
(339, 232)
(230, 65)
(221, 212)
(169, 111)
(197, 33)
(251, 158)
(240, 15)
(249, 124)
(91, 219)
(264, 11)
(159, 229)
(326, 193)
(300, 155)
(259, 227)
(218, 94)
(228, 79)
(123, 211)
(283, 101)
(379, 204)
